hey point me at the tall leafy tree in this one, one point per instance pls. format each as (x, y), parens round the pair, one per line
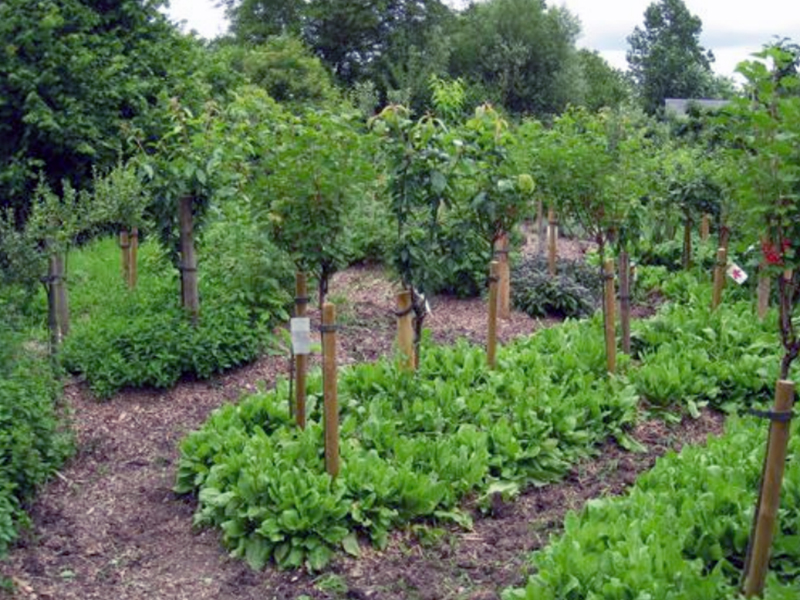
(603, 85)
(72, 73)
(521, 52)
(357, 39)
(665, 57)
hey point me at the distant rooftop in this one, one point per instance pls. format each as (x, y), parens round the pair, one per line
(680, 106)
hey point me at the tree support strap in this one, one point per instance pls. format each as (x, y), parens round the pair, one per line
(772, 415)
(403, 313)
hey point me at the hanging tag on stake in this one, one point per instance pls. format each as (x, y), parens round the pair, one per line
(736, 273)
(301, 335)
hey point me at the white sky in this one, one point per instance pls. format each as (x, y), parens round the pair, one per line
(733, 29)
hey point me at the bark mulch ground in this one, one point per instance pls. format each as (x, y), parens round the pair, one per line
(110, 527)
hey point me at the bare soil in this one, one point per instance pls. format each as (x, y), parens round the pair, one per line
(110, 527)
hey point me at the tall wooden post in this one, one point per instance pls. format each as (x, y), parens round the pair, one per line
(541, 228)
(331, 402)
(125, 249)
(133, 268)
(405, 330)
(625, 300)
(757, 563)
(491, 342)
(687, 244)
(62, 301)
(189, 291)
(552, 241)
(705, 227)
(301, 300)
(719, 277)
(610, 301)
(504, 275)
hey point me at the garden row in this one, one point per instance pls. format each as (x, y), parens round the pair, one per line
(415, 445)
(680, 534)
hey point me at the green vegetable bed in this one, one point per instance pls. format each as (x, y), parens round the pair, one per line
(412, 447)
(680, 534)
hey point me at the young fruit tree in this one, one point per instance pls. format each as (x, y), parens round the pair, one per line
(766, 144)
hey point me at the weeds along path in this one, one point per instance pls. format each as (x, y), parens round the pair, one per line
(110, 527)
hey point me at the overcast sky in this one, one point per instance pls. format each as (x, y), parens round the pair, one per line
(733, 29)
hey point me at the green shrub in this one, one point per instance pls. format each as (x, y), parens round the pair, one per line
(32, 442)
(142, 338)
(576, 291)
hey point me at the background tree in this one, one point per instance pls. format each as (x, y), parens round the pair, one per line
(384, 41)
(72, 73)
(602, 84)
(519, 52)
(666, 59)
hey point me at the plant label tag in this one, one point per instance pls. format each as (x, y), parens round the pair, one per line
(736, 273)
(301, 335)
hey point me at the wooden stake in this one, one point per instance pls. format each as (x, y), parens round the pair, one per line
(541, 228)
(62, 301)
(405, 330)
(552, 239)
(769, 499)
(610, 301)
(504, 275)
(133, 269)
(719, 277)
(300, 360)
(190, 297)
(331, 409)
(125, 247)
(625, 300)
(687, 245)
(52, 308)
(491, 343)
(705, 227)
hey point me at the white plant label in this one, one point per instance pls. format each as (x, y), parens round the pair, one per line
(301, 335)
(737, 273)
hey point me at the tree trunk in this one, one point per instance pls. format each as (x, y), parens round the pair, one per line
(189, 290)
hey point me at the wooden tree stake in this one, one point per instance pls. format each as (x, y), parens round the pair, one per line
(705, 227)
(331, 409)
(190, 296)
(552, 241)
(687, 245)
(405, 330)
(610, 301)
(133, 269)
(541, 228)
(300, 360)
(125, 247)
(719, 277)
(491, 343)
(769, 499)
(62, 301)
(625, 300)
(504, 274)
